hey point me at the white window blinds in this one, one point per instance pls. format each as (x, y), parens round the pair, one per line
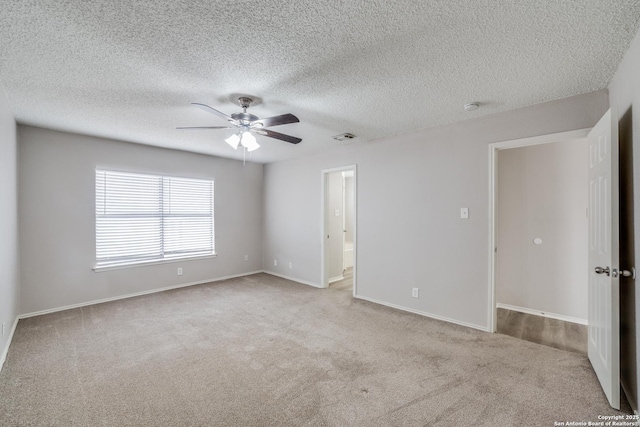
(146, 218)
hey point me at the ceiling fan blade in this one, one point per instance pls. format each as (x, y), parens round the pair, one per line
(204, 127)
(208, 109)
(276, 135)
(276, 120)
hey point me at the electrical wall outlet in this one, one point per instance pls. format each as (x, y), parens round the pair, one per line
(3, 330)
(179, 271)
(290, 265)
(246, 257)
(275, 262)
(415, 292)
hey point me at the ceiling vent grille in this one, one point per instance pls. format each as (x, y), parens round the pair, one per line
(343, 136)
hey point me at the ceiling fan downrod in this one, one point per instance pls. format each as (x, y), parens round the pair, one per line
(244, 118)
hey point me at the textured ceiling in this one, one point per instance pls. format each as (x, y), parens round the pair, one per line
(128, 69)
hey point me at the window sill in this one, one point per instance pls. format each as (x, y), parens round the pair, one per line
(99, 269)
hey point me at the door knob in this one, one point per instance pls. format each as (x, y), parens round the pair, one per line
(600, 270)
(629, 273)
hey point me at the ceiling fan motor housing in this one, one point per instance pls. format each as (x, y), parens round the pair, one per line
(244, 118)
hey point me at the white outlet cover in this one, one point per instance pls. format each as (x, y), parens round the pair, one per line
(290, 265)
(275, 262)
(464, 213)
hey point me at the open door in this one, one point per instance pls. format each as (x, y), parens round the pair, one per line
(333, 227)
(604, 281)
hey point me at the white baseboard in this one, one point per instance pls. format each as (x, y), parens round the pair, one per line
(293, 279)
(336, 279)
(136, 294)
(5, 350)
(423, 313)
(543, 314)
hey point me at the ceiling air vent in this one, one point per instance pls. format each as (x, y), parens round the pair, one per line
(343, 136)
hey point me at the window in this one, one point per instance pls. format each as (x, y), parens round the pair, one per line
(150, 218)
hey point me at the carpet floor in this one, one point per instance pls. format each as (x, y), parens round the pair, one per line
(264, 351)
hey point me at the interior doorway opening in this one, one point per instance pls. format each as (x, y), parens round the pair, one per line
(603, 263)
(537, 216)
(339, 246)
(541, 240)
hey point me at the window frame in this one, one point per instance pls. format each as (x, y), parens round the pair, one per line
(152, 261)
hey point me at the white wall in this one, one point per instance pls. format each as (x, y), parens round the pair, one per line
(427, 176)
(348, 208)
(624, 95)
(57, 217)
(542, 193)
(9, 286)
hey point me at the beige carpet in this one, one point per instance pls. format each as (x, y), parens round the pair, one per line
(264, 351)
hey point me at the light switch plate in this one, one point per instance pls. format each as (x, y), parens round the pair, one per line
(464, 213)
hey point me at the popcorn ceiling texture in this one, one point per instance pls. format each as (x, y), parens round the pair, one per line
(128, 70)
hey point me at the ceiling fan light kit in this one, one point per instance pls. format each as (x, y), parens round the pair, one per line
(247, 124)
(233, 141)
(245, 139)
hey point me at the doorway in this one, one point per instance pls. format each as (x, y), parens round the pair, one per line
(537, 238)
(339, 246)
(542, 238)
(603, 264)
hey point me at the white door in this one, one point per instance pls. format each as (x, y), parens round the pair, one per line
(603, 342)
(344, 221)
(334, 245)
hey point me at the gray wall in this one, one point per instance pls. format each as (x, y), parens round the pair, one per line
(542, 193)
(427, 176)
(9, 290)
(57, 217)
(624, 95)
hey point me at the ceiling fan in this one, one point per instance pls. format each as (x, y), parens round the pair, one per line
(247, 124)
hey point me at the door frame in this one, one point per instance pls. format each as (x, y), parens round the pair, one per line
(344, 217)
(492, 318)
(324, 280)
